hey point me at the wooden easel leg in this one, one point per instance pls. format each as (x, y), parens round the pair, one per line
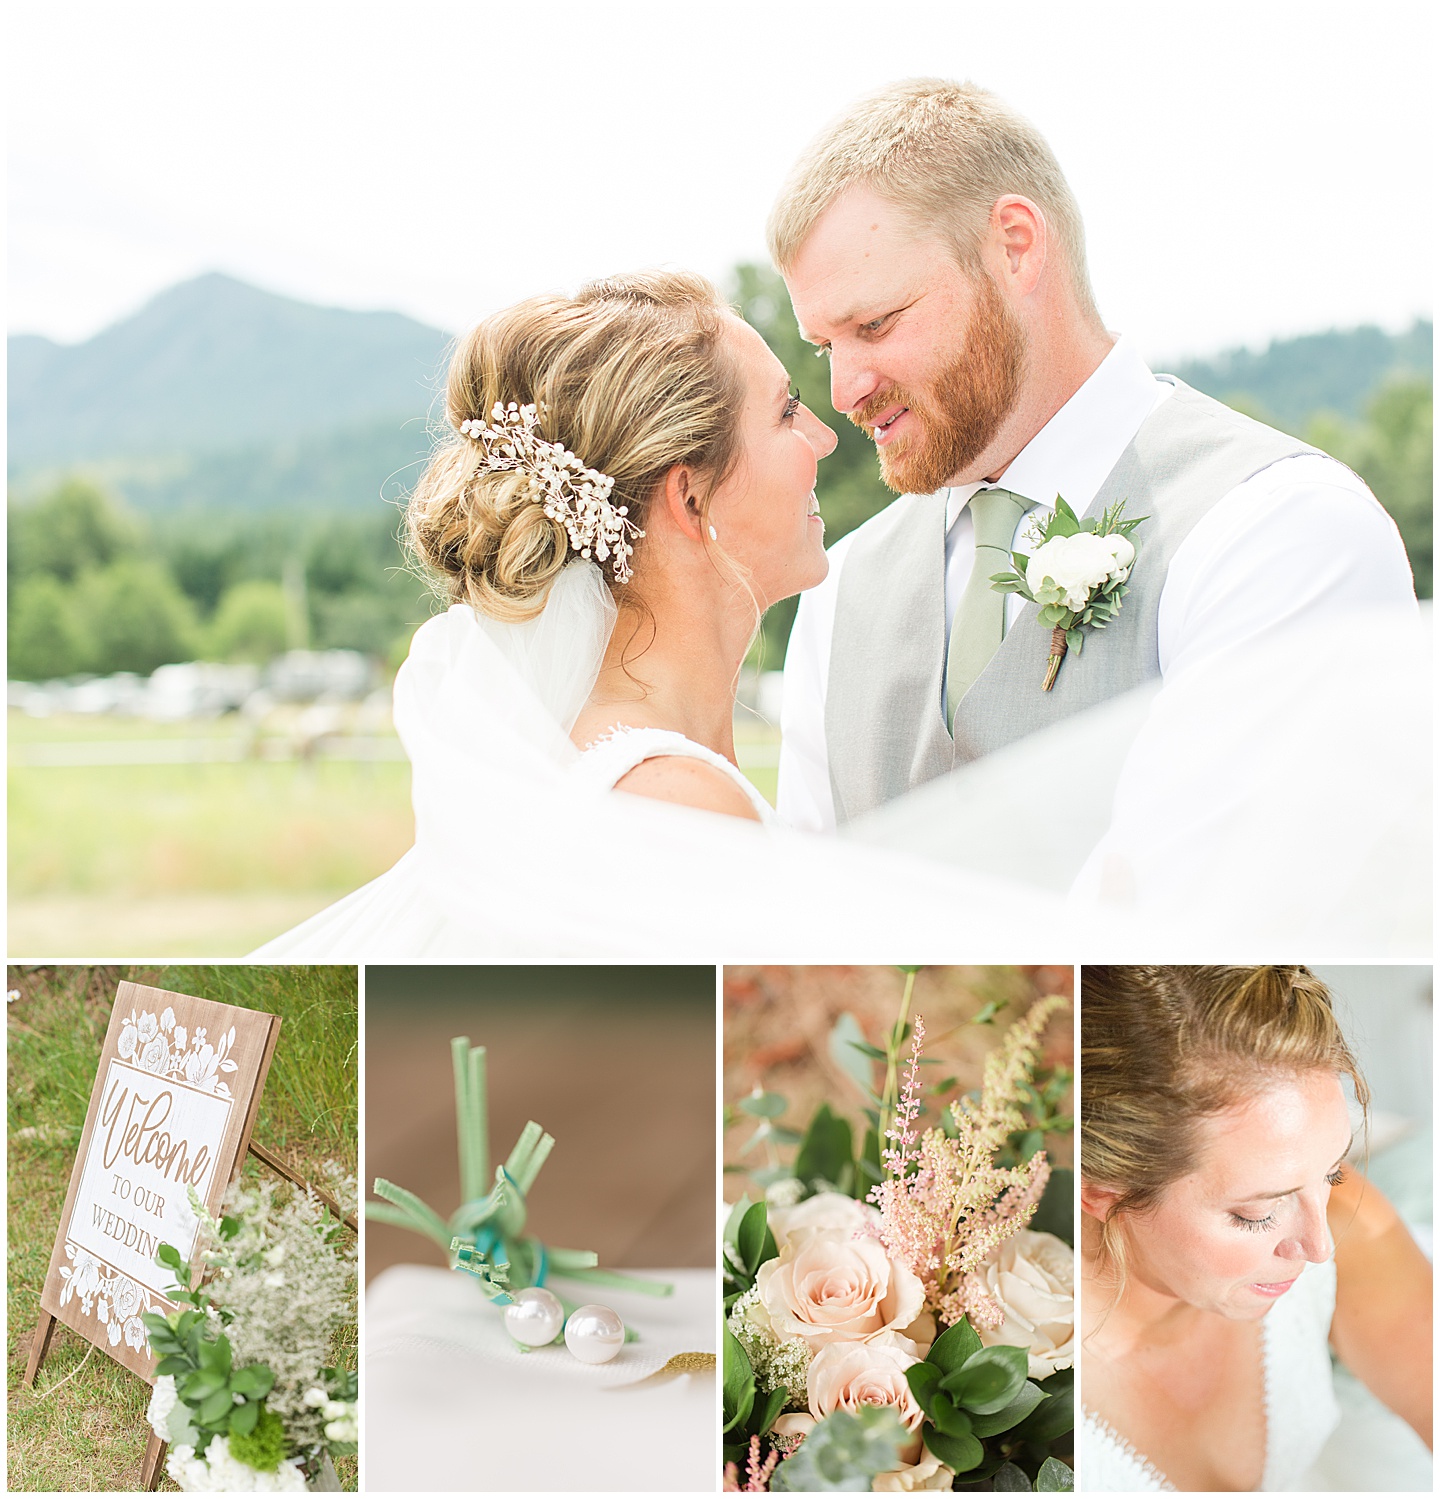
(40, 1346)
(153, 1465)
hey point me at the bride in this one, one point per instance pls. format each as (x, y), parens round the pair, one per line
(685, 469)
(1227, 1246)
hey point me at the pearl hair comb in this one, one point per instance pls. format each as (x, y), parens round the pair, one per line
(575, 496)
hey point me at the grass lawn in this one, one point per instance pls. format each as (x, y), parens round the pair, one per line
(83, 1427)
(208, 859)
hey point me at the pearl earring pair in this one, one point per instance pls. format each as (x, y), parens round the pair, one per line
(593, 1333)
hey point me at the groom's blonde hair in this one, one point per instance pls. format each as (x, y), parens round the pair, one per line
(941, 152)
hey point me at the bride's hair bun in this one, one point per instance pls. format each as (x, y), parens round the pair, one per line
(1162, 1048)
(631, 374)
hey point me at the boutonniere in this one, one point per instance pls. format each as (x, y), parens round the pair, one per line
(1077, 575)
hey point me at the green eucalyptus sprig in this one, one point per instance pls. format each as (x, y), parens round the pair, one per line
(1076, 587)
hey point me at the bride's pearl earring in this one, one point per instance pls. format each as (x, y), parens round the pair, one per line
(713, 536)
(534, 1317)
(594, 1334)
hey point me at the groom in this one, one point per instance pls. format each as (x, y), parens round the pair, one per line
(934, 253)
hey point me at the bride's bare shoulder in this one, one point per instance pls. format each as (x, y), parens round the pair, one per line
(689, 782)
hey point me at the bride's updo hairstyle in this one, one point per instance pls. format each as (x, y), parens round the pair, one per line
(630, 374)
(1162, 1049)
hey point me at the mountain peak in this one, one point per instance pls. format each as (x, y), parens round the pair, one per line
(214, 362)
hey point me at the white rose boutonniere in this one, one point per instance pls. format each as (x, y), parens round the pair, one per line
(1077, 576)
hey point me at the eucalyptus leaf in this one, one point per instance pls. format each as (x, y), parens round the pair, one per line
(1010, 1480)
(843, 1453)
(845, 1039)
(765, 1105)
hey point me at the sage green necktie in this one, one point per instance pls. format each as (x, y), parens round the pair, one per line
(979, 624)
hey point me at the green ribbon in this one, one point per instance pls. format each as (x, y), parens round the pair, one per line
(484, 1236)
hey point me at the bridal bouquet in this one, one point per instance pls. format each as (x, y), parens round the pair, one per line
(245, 1392)
(895, 1319)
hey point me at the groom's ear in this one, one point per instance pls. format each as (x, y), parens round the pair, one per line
(681, 499)
(1021, 239)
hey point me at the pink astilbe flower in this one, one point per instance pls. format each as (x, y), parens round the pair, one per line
(947, 1206)
(757, 1473)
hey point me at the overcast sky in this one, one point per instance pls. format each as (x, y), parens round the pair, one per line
(1245, 170)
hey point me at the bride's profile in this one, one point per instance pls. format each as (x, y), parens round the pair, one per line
(636, 452)
(1228, 1246)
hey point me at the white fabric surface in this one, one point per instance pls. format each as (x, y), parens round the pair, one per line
(451, 1403)
(1301, 542)
(1300, 1406)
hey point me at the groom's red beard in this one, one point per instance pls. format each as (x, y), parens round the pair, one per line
(963, 408)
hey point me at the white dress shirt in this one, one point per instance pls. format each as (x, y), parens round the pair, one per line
(1303, 538)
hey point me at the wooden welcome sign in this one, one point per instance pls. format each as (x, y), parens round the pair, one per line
(173, 1106)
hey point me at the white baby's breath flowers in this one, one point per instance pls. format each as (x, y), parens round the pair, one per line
(576, 497)
(1077, 565)
(775, 1361)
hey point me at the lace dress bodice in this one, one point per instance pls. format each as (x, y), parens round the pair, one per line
(606, 760)
(1300, 1405)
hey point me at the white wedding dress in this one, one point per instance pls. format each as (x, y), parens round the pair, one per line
(1300, 1406)
(525, 853)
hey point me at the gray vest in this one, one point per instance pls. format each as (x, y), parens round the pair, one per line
(884, 723)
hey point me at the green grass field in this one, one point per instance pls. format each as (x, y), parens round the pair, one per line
(206, 859)
(83, 1427)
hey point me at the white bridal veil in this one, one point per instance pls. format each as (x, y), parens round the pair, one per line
(1286, 806)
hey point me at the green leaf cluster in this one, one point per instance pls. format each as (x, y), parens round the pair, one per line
(981, 1408)
(198, 1355)
(843, 1453)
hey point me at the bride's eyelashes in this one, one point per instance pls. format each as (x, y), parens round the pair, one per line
(1258, 1225)
(792, 405)
(1254, 1225)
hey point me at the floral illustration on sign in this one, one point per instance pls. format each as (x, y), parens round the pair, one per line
(156, 1044)
(113, 1299)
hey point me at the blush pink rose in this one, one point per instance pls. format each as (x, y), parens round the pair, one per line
(828, 1286)
(845, 1376)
